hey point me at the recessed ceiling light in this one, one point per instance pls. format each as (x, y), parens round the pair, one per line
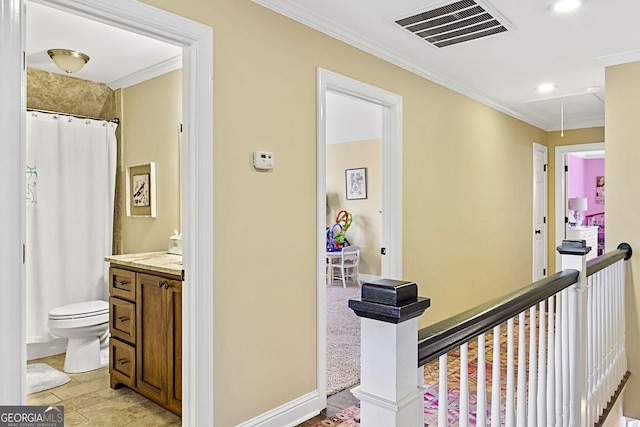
(546, 87)
(561, 6)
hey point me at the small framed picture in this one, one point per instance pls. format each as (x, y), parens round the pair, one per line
(141, 190)
(356, 183)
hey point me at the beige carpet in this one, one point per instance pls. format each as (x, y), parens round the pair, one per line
(343, 339)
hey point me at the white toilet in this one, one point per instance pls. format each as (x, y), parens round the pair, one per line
(85, 324)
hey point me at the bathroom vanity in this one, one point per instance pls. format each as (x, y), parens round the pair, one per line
(145, 319)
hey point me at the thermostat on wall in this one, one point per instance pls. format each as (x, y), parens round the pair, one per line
(263, 160)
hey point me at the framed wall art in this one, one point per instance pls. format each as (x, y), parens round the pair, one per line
(356, 182)
(141, 190)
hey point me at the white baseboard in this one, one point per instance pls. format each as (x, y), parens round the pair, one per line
(290, 414)
(46, 349)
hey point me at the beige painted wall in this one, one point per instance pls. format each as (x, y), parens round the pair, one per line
(623, 204)
(366, 228)
(554, 139)
(152, 113)
(467, 198)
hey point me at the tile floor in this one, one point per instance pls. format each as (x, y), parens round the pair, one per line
(88, 400)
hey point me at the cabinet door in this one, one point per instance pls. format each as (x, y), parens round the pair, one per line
(174, 305)
(152, 337)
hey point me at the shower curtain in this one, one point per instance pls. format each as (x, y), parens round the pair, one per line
(70, 185)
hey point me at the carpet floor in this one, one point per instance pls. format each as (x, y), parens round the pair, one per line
(343, 339)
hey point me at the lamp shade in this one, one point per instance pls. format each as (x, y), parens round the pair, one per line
(578, 204)
(69, 61)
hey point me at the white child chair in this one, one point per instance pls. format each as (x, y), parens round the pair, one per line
(347, 265)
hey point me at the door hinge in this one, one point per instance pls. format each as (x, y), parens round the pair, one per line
(383, 251)
(24, 60)
(566, 219)
(24, 253)
(545, 167)
(180, 127)
(544, 271)
(566, 168)
(182, 275)
(544, 220)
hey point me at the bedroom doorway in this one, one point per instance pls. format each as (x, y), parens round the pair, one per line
(389, 107)
(589, 153)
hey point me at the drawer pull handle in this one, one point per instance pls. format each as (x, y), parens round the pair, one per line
(122, 319)
(163, 283)
(119, 284)
(122, 361)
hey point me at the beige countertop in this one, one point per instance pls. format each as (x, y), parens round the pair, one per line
(160, 262)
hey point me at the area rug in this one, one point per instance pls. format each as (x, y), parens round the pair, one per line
(343, 339)
(41, 376)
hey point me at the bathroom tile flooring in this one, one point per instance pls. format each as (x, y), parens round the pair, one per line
(88, 400)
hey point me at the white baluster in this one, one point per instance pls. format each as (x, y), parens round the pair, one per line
(564, 354)
(495, 379)
(551, 365)
(511, 386)
(533, 369)
(481, 413)
(522, 371)
(542, 367)
(443, 405)
(464, 385)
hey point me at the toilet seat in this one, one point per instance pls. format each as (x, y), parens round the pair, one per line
(80, 310)
(79, 315)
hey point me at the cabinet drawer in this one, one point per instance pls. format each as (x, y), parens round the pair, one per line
(122, 362)
(122, 284)
(122, 320)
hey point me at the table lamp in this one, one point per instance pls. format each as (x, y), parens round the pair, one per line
(578, 205)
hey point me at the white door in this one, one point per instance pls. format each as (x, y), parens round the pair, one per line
(539, 211)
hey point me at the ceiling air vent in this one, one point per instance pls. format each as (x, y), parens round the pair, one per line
(454, 23)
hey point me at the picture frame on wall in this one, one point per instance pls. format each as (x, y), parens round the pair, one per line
(141, 190)
(356, 183)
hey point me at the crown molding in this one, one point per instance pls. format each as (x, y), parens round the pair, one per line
(150, 72)
(304, 16)
(619, 58)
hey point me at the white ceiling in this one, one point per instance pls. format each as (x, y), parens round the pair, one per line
(118, 58)
(503, 70)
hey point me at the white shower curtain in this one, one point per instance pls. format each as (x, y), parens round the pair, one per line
(70, 167)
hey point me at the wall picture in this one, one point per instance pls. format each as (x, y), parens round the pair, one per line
(356, 182)
(600, 190)
(141, 190)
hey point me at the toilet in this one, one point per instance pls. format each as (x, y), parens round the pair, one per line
(85, 324)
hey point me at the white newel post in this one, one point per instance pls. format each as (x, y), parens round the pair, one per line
(390, 392)
(574, 257)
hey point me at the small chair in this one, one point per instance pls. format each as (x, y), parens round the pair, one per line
(347, 265)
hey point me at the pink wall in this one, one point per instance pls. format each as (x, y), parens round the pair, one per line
(582, 181)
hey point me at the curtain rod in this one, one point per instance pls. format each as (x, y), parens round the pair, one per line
(77, 116)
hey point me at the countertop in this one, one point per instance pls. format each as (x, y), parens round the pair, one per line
(160, 262)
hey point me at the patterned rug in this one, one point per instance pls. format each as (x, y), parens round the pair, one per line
(350, 417)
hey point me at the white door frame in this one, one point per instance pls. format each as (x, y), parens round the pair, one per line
(543, 228)
(328, 81)
(197, 188)
(560, 180)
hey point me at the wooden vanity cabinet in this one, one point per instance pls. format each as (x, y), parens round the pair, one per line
(159, 356)
(148, 357)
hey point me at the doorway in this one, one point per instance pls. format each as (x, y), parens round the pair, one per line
(391, 145)
(197, 187)
(562, 213)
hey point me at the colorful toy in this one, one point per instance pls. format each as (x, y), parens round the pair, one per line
(336, 241)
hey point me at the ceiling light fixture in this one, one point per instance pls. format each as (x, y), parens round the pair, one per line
(562, 6)
(546, 87)
(69, 61)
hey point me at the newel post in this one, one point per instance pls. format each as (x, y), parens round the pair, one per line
(389, 392)
(574, 257)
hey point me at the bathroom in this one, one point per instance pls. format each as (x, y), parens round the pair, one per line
(149, 113)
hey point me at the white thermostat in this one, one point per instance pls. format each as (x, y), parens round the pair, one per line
(263, 160)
